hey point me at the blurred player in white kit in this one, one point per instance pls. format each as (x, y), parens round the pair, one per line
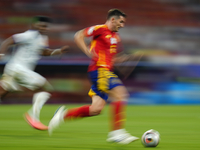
(18, 72)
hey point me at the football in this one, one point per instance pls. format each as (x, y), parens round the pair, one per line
(150, 138)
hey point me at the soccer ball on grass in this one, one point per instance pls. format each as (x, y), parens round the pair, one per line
(150, 138)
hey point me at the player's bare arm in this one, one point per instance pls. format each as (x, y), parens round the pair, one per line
(136, 56)
(79, 40)
(5, 45)
(119, 58)
(125, 57)
(52, 52)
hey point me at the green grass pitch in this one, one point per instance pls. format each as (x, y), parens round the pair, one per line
(179, 127)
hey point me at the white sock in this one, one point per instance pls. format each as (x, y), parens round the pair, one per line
(39, 99)
(116, 132)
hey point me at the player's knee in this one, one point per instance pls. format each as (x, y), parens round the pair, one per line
(39, 84)
(42, 82)
(124, 97)
(95, 111)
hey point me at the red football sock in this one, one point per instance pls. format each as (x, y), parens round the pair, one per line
(79, 112)
(118, 115)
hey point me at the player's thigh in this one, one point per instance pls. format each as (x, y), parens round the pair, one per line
(30, 79)
(8, 83)
(98, 104)
(119, 93)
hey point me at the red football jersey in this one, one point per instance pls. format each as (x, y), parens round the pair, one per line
(104, 44)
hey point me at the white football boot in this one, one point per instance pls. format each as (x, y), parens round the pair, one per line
(121, 136)
(57, 119)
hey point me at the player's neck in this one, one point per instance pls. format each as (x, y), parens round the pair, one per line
(109, 26)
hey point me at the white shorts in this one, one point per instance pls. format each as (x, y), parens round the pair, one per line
(16, 75)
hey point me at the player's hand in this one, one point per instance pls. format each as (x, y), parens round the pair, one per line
(93, 54)
(64, 49)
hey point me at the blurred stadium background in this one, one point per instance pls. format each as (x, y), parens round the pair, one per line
(168, 31)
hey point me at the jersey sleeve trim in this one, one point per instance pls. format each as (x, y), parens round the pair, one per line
(93, 30)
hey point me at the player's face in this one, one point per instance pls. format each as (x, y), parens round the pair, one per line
(118, 23)
(42, 27)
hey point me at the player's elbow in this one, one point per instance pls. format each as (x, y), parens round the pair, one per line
(78, 36)
(6, 44)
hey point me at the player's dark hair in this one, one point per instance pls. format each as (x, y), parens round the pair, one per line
(41, 19)
(115, 12)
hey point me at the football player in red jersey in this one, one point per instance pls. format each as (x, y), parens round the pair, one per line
(103, 50)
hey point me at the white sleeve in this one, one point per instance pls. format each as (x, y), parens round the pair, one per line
(21, 37)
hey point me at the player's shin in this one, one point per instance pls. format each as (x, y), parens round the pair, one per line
(118, 134)
(117, 114)
(39, 99)
(62, 114)
(33, 115)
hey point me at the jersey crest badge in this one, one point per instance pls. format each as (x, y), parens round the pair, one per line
(113, 41)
